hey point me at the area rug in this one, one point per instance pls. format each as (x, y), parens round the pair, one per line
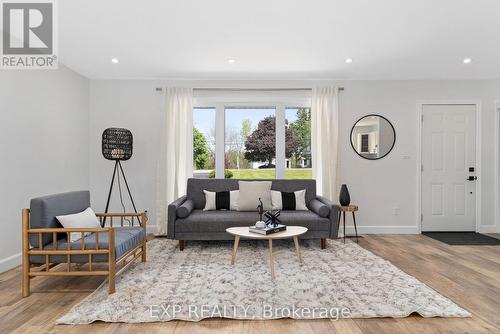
(341, 281)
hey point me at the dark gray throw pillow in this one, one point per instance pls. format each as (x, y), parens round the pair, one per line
(320, 208)
(185, 209)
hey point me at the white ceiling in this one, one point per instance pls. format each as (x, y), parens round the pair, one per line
(281, 39)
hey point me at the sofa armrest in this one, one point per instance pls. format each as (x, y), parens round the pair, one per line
(333, 216)
(172, 215)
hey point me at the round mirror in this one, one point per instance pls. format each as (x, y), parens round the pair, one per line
(373, 137)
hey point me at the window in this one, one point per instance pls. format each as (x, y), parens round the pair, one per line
(252, 135)
(250, 143)
(298, 164)
(203, 142)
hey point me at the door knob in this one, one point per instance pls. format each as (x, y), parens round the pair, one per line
(472, 178)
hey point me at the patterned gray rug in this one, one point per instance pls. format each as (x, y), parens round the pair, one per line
(198, 283)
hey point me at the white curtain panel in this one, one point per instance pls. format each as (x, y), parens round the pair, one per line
(175, 164)
(324, 141)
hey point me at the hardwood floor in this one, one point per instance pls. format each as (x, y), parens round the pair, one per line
(469, 275)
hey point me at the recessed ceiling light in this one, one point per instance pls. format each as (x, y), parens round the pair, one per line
(348, 60)
(231, 60)
(467, 60)
(114, 60)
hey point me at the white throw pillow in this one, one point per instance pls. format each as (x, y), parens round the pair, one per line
(289, 201)
(251, 191)
(84, 219)
(221, 200)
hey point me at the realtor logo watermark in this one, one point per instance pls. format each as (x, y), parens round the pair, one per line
(29, 34)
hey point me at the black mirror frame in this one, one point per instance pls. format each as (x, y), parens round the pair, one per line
(393, 143)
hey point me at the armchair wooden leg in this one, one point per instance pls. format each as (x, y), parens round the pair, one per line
(111, 262)
(26, 257)
(143, 258)
(26, 282)
(323, 243)
(181, 245)
(144, 220)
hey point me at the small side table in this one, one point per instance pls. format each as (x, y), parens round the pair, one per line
(349, 208)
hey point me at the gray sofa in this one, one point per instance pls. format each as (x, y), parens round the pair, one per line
(188, 221)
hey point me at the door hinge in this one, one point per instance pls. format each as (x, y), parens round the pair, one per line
(422, 118)
(421, 217)
(422, 167)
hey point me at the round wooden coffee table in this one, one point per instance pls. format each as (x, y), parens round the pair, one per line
(291, 232)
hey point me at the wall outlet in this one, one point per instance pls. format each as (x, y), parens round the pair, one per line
(396, 211)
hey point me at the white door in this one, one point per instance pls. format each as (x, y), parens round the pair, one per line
(448, 161)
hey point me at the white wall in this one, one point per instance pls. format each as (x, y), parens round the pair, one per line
(378, 187)
(383, 185)
(136, 106)
(44, 124)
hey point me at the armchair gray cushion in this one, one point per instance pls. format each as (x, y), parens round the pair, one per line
(126, 238)
(43, 212)
(320, 208)
(185, 209)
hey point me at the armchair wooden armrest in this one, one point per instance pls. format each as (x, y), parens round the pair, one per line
(141, 217)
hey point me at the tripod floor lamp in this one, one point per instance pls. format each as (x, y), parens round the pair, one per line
(117, 146)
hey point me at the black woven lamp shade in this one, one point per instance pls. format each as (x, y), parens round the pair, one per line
(117, 144)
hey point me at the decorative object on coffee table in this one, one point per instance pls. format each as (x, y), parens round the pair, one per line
(272, 218)
(352, 209)
(260, 209)
(117, 146)
(344, 197)
(291, 232)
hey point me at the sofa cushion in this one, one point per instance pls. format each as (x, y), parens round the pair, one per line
(218, 221)
(195, 188)
(84, 219)
(126, 238)
(251, 192)
(282, 200)
(221, 200)
(43, 212)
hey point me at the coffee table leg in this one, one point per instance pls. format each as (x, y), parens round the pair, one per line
(271, 259)
(297, 247)
(235, 248)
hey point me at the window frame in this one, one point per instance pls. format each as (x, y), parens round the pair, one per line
(249, 99)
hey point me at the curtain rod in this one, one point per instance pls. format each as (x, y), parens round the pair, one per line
(159, 89)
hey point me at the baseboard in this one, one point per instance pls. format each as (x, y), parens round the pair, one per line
(150, 229)
(381, 230)
(10, 262)
(488, 229)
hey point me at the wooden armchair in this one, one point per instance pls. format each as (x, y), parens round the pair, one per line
(106, 251)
